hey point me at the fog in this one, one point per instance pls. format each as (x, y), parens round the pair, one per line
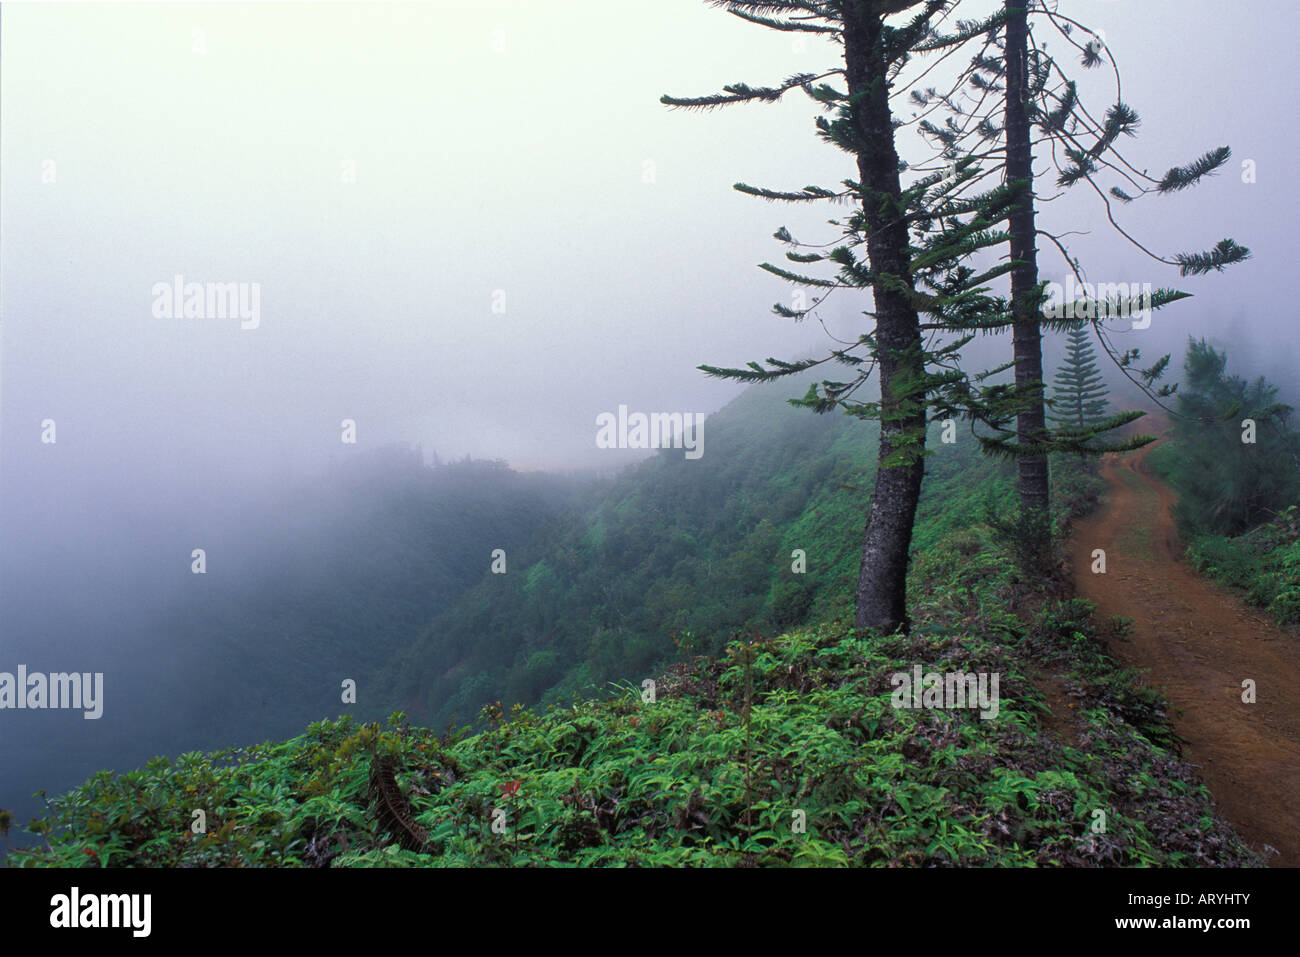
(468, 228)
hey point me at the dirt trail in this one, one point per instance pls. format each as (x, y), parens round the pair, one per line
(1199, 643)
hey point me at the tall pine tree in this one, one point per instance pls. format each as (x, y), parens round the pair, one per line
(915, 238)
(1039, 102)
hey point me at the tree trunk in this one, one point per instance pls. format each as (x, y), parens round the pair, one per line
(882, 582)
(1027, 345)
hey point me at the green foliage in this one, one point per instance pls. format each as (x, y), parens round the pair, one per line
(667, 548)
(1236, 500)
(1026, 534)
(1182, 177)
(713, 771)
(1264, 564)
(791, 603)
(1226, 485)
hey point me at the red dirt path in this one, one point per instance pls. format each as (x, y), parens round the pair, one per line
(1199, 643)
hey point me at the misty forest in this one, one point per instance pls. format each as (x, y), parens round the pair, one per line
(833, 433)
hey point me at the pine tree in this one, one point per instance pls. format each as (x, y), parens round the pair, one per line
(1033, 478)
(915, 239)
(1079, 400)
(1039, 102)
(1227, 484)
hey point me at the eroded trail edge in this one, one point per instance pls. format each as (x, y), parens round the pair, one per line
(1198, 644)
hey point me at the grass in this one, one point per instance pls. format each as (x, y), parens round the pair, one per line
(1263, 565)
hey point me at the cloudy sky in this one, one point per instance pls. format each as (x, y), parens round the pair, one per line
(473, 226)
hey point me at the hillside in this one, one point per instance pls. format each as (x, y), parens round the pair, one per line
(671, 552)
(780, 747)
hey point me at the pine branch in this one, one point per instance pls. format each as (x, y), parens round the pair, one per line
(1181, 177)
(1225, 253)
(783, 25)
(809, 194)
(743, 93)
(756, 373)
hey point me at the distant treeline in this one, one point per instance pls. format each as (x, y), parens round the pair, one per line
(1235, 463)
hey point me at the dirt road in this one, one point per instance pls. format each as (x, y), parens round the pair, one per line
(1200, 643)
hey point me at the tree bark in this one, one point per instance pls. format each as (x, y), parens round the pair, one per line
(882, 581)
(1032, 478)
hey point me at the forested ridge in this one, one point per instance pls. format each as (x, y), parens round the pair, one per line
(756, 722)
(673, 553)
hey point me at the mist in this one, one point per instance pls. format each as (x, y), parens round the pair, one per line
(456, 233)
